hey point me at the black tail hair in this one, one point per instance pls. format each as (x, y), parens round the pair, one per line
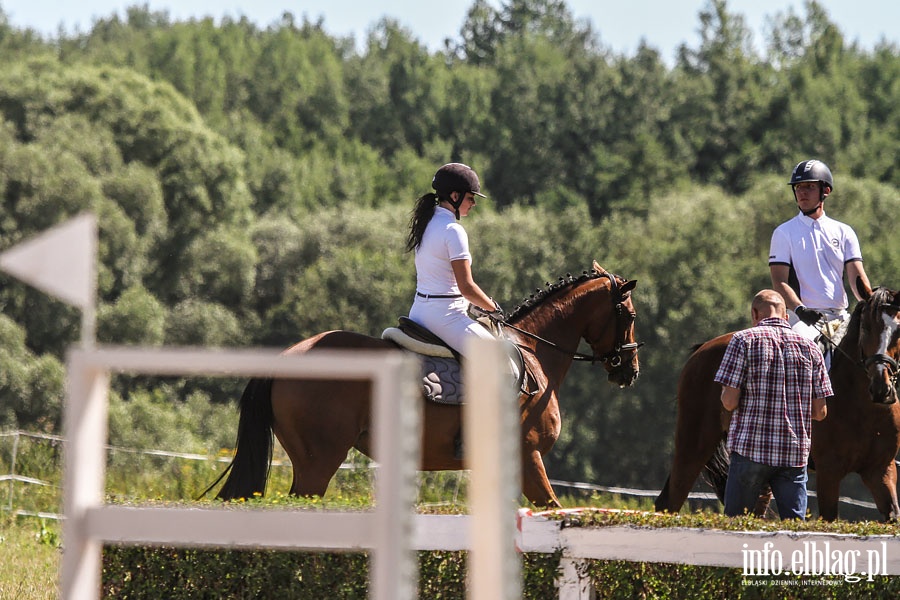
(249, 470)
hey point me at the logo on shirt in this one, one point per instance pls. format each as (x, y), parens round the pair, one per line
(835, 242)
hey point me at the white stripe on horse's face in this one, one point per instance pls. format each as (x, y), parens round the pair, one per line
(890, 322)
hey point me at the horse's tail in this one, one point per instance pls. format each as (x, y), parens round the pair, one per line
(715, 471)
(249, 470)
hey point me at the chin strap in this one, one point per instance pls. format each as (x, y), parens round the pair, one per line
(806, 212)
(456, 204)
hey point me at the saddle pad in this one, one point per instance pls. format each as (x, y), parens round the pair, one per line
(399, 337)
(442, 380)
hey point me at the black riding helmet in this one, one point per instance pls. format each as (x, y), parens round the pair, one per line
(456, 177)
(812, 170)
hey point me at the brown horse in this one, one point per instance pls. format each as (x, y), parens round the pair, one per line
(317, 422)
(861, 433)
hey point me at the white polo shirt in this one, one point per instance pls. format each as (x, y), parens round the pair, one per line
(817, 251)
(444, 241)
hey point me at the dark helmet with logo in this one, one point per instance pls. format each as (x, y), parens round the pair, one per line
(812, 170)
(456, 177)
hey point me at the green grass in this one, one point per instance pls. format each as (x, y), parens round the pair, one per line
(29, 553)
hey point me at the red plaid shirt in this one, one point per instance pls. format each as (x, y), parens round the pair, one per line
(779, 372)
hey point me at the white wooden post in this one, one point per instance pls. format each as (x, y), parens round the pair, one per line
(570, 583)
(84, 429)
(491, 436)
(397, 437)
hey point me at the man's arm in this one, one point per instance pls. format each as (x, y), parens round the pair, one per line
(731, 397)
(819, 409)
(780, 275)
(855, 269)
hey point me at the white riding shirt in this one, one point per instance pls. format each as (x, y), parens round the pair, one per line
(443, 241)
(817, 250)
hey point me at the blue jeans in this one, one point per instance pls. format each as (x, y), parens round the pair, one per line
(746, 478)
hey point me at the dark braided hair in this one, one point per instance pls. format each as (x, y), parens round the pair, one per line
(421, 216)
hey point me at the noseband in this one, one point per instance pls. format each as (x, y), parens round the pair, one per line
(613, 358)
(892, 366)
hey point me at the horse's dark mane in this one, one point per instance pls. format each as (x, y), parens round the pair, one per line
(855, 316)
(880, 296)
(540, 295)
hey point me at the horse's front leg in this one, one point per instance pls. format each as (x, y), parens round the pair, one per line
(883, 485)
(828, 488)
(535, 484)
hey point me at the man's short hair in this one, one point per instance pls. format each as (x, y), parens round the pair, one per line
(769, 300)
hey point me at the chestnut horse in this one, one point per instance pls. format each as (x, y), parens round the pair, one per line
(861, 433)
(317, 422)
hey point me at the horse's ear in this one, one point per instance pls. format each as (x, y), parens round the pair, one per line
(864, 291)
(628, 286)
(597, 268)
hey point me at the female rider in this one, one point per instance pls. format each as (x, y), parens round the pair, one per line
(444, 284)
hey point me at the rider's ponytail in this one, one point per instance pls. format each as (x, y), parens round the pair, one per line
(421, 216)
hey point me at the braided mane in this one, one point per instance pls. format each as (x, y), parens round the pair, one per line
(540, 295)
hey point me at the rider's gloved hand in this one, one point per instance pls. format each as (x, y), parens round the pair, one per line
(476, 312)
(498, 312)
(808, 315)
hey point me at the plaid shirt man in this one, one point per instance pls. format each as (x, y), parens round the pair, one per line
(779, 372)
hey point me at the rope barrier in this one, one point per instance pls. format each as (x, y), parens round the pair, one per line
(704, 496)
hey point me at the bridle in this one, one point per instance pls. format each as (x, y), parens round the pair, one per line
(613, 358)
(892, 366)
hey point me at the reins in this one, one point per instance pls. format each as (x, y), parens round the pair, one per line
(837, 347)
(876, 359)
(613, 357)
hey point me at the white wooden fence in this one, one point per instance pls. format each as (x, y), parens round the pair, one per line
(393, 531)
(89, 521)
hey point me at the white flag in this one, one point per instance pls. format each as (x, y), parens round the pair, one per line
(61, 261)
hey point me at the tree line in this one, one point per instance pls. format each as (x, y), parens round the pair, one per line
(253, 185)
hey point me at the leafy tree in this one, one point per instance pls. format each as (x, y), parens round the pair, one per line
(479, 35)
(728, 99)
(221, 268)
(253, 186)
(188, 58)
(358, 278)
(136, 317)
(298, 88)
(31, 386)
(398, 91)
(200, 323)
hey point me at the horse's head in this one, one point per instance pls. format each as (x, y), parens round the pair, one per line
(611, 333)
(879, 341)
(595, 307)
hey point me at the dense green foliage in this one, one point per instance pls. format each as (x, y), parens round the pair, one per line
(253, 187)
(193, 574)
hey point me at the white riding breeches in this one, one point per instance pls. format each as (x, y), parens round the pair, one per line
(447, 319)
